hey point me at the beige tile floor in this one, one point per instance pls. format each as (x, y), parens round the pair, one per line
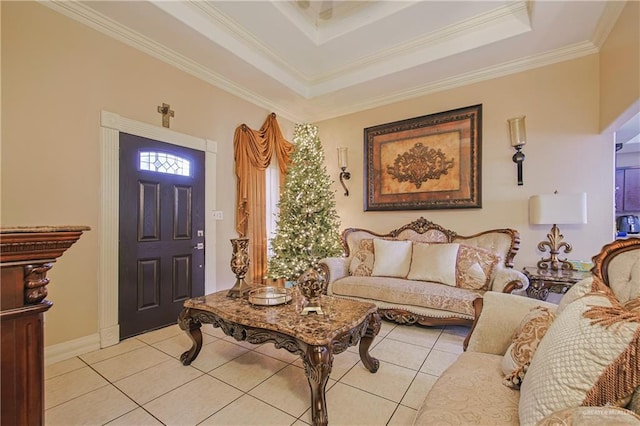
(140, 381)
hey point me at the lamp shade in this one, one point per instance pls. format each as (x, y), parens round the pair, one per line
(554, 209)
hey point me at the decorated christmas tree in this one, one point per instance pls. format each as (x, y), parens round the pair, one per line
(307, 227)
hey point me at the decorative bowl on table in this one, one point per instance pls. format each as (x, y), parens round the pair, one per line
(269, 296)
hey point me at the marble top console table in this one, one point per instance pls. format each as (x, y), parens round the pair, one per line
(26, 254)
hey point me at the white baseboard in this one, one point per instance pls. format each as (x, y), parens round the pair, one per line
(66, 350)
(109, 336)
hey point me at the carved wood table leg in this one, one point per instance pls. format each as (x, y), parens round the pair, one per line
(317, 367)
(192, 327)
(315, 338)
(372, 330)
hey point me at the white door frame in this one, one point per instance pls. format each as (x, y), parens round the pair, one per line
(111, 125)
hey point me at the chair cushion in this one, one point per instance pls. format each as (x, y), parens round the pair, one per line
(588, 357)
(470, 392)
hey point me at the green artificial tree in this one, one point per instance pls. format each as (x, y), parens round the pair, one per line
(307, 227)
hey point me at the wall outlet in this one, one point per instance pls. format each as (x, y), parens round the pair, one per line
(217, 215)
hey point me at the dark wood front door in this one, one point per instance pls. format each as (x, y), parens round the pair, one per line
(161, 247)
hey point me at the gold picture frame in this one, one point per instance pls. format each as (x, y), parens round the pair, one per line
(425, 163)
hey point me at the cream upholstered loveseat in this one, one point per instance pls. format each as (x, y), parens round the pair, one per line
(588, 357)
(423, 273)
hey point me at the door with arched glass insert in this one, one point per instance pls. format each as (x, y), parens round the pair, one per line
(161, 247)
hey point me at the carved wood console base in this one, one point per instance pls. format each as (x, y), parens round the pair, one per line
(302, 339)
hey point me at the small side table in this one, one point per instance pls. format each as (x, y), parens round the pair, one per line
(541, 281)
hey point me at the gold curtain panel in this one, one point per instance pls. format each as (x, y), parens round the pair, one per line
(253, 152)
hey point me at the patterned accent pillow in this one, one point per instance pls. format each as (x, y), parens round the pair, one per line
(526, 338)
(475, 267)
(588, 357)
(362, 263)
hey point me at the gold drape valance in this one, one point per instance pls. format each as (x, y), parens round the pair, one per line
(253, 152)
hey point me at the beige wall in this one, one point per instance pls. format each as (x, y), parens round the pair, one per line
(564, 152)
(57, 75)
(620, 70)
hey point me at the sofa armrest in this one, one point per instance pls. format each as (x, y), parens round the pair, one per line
(506, 280)
(334, 268)
(496, 321)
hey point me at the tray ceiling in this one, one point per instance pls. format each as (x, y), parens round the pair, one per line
(313, 60)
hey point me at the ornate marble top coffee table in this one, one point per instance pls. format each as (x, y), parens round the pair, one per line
(316, 338)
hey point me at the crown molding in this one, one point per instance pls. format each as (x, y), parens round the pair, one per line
(105, 25)
(612, 12)
(495, 25)
(506, 68)
(322, 32)
(87, 16)
(513, 18)
(208, 21)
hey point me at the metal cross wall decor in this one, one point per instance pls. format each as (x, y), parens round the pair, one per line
(167, 114)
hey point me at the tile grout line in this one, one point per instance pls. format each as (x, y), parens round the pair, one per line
(416, 373)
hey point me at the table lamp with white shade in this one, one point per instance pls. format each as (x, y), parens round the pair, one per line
(554, 209)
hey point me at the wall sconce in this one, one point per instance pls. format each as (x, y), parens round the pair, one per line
(552, 209)
(342, 163)
(518, 139)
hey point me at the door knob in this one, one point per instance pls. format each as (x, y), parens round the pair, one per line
(199, 246)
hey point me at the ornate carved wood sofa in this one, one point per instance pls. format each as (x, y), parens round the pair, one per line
(423, 273)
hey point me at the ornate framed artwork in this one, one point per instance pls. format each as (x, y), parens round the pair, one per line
(424, 163)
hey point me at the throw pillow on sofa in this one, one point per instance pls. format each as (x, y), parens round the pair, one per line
(588, 357)
(392, 258)
(528, 335)
(362, 263)
(434, 263)
(453, 264)
(475, 267)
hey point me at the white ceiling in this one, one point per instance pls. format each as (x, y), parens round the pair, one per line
(313, 60)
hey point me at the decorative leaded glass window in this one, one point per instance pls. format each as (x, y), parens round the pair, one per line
(162, 162)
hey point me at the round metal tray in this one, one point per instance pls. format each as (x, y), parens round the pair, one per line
(269, 296)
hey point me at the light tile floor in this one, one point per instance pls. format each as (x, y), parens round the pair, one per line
(140, 381)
